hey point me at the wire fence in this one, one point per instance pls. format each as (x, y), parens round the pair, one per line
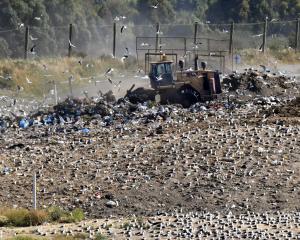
(121, 39)
(213, 42)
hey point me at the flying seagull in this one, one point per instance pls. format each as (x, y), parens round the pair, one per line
(159, 78)
(71, 44)
(155, 6)
(145, 44)
(109, 71)
(33, 38)
(28, 80)
(109, 80)
(32, 49)
(257, 35)
(123, 28)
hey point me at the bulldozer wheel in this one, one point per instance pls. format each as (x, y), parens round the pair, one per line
(188, 96)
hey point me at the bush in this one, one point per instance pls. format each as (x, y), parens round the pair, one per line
(22, 217)
(18, 217)
(77, 214)
(38, 217)
(55, 213)
(3, 221)
(100, 237)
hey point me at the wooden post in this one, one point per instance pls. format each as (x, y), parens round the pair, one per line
(157, 36)
(26, 43)
(231, 38)
(297, 35)
(184, 46)
(34, 191)
(55, 93)
(70, 86)
(264, 46)
(114, 38)
(70, 40)
(195, 33)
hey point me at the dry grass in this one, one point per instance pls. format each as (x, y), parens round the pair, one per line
(42, 72)
(20, 217)
(252, 57)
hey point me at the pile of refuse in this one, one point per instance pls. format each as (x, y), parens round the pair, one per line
(291, 109)
(100, 110)
(265, 84)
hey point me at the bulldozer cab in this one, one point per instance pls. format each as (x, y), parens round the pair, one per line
(161, 74)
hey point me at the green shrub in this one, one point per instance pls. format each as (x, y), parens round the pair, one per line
(55, 213)
(3, 221)
(77, 214)
(18, 217)
(100, 237)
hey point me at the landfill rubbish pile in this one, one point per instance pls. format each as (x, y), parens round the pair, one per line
(265, 84)
(291, 109)
(224, 162)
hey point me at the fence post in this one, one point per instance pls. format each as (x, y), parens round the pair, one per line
(195, 33)
(34, 191)
(157, 36)
(114, 38)
(70, 40)
(264, 46)
(26, 42)
(231, 38)
(55, 93)
(297, 35)
(70, 85)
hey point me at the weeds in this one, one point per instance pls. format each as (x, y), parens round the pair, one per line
(23, 218)
(23, 238)
(42, 73)
(100, 237)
